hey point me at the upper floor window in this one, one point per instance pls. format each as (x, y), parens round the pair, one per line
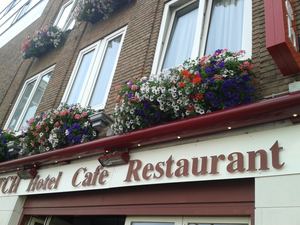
(64, 19)
(15, 11)
(196, 28)
(93, 72)
(28, 100)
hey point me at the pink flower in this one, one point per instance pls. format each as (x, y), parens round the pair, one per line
(37, 127)
(117, 87)
(31, 121)
(77, 116)
(61, 122)
(244, 72)
(63, 113)
(47, 129)
(134, 99)
(225, 50)
(56, 124)
(248, 65)
(54, 116)
(134, 87)
(32, 143)
(84, 114)
(117, 97)
(34, 133)
(7, 131)
(218, 77)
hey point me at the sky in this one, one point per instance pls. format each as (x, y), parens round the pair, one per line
(3, 4)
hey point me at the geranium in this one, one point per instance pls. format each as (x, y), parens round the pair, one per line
(194, 88)
(43, 40)
(88, 10)
(65, 126)
(5, 138)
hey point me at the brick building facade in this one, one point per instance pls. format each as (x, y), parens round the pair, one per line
(142, 19)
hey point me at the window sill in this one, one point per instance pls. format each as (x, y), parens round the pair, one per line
(261, 112)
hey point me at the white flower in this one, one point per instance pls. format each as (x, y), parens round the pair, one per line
(41, 134)
(187, 112)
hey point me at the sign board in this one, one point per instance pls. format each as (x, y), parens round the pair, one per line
(281, 35)
(267, 153)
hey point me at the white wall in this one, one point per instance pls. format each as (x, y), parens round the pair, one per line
(11, 208)
(277, 200)
(24, 22)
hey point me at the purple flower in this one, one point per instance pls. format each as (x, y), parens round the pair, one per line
(210, 95)
(248, 100)
(221, 65)
(215, 104)
(208, 70)
(245, 78)
(211, 80)
(213, 62)
(129, 95)
(249, 89)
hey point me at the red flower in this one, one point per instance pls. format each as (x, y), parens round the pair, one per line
(199, 96)
(181, 84)
(191, 108)
(77, 116)
(197, 80)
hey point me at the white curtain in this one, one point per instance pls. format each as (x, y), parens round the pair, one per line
(80, 77)
(181, 40)
(226, 26)
(106, 72)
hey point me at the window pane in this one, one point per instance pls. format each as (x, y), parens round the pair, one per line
(23, 10)
(182, 38)
(226, 26)
(150, 223)
(64, 16)
(81, 74)
(105, 71)
(21, 106)
(35, 101)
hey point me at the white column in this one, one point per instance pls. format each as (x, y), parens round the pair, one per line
(11, 208)
(277, 200)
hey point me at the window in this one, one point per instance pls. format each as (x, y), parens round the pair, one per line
(191, 29)
(28, 100)
(64, 19)
(23, 10)
(93, 72)
(187, 220)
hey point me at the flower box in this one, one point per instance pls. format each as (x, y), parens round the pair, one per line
(197, 87)
(94, 10)
(43, 41)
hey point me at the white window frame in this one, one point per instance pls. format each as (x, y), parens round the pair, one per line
(94, 70)
(37, 78)
(69, 18)
(201, 33)
(185, 220)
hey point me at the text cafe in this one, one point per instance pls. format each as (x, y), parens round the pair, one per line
(216, 179)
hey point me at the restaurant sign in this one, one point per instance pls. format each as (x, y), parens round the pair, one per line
(265, 153)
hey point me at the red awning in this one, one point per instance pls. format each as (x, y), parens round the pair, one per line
(261, 112)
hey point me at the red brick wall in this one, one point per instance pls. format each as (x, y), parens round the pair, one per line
(143, 19)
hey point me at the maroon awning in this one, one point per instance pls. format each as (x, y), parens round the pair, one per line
(261, 112)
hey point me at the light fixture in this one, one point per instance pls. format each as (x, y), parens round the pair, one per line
(100, 120)
(115, 158)
(139, 145)
(178, 137)
(27, 173)
(229, 128)
(13, 147)
(295, 115)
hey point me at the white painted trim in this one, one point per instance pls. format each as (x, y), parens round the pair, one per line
(69, 19)
(37, 78)
(88, 49)
(186, 220)
(203, 20)
(94, 69)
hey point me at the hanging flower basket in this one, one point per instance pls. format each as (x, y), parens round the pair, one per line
(197, 87)
(94, 10)
(68, 125)
(43, 41)
(8, 141)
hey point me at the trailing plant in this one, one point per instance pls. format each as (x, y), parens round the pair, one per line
(94, 10)
(5, 137)
(67, 125)
(42, 41)
(214, 82)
